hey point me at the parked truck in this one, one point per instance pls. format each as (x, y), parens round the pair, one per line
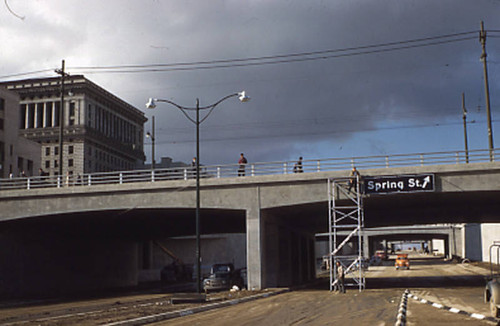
(492, 290)
(223, 277)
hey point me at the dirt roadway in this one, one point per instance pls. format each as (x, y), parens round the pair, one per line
(305, 307)
(454, 285)
(320, 307)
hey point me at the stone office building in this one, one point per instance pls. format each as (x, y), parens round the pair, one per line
(18, 156)
(101, 132)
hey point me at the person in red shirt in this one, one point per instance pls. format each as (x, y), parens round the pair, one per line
(242, 162)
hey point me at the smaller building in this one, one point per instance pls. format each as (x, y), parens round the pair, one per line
(18, 155)
(166, 163)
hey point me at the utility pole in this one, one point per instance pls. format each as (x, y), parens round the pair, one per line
(482, 39)
(61, 119)
(153, 144)
(465, 129)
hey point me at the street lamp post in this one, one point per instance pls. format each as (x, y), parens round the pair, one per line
(152, 136)
(151, 105)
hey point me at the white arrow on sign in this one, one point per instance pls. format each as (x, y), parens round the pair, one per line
(426, 181)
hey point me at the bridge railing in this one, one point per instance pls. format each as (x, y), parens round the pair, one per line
(251, 169)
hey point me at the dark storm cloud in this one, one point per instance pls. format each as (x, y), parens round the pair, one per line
(313, 107)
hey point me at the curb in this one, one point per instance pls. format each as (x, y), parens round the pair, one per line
(454, 310)
(190, 311)
(401, 318)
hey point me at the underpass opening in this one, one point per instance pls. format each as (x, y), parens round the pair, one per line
(82, 252)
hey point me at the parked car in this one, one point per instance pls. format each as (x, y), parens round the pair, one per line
(492, 290)
(176, 272)
(223, 277)
(381, 254)
(402, 261)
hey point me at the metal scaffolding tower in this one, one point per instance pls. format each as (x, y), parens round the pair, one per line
(346, 214)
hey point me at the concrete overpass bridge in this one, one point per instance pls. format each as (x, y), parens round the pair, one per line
(84, 233)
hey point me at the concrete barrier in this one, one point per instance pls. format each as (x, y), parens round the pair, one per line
(401, 318)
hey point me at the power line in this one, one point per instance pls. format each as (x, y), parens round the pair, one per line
(312, 134)
(27, 73)
(276, 59)
(235, 63)
(314, 53)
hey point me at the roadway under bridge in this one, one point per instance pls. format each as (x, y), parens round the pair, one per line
(87, 237)
(451, 237)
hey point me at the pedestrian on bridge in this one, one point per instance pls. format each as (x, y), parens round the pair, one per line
(297, 168)
(242, 162)
(353, 179)
(193, 167)
(340, 277)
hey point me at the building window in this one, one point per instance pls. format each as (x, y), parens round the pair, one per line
(47, 164)
(70, 162)
(71, 113)
(31, 115)
(2, 158)
(56, 150)
(72, 109)
(47, 151)
(39, 115)
(89, 119)
(2, 104)
(70, 149)
(48, 114)
(20, 164)
(11, 150)
(1, 124)
(22, 118)
(57, 106)
(30, 167)
(56, 164)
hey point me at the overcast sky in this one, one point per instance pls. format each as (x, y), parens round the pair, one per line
(343, 104)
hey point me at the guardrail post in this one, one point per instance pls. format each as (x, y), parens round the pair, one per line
(218, 172)
(421, 160)
(28, 183)
(318, 166)
(58, 181)
(89, 182)
(387, 161)
(285, 168)
(152, 175)
(121, 178)
(457, 154)
(185, 174)
(253, 170)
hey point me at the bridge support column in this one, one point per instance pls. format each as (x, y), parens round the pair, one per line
(366, 246)
(255, 233)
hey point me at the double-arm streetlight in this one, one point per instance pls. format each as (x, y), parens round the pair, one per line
(151, 105)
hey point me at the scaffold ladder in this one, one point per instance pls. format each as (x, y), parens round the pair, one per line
(346, 215)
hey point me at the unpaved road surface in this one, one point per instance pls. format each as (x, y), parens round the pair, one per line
(305, 307)
(455, 285)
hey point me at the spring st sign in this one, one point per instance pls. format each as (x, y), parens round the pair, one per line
(399, 184)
